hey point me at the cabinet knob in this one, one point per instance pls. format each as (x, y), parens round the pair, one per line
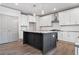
(53, 35)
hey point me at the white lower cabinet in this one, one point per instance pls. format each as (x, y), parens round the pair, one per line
(76, 50)
(68, 36)
(60, 35)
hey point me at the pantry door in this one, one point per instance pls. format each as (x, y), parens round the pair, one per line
(12, 27)
(0, 28)
(9, 31)
(3, 29)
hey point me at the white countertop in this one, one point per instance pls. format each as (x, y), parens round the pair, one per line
(41, 31)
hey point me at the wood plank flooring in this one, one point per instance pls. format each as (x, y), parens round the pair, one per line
(65, 48)
(17, 48)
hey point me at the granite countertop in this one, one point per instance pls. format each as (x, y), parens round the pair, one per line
(41, 31)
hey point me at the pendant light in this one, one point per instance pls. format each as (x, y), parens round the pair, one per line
(34, 8)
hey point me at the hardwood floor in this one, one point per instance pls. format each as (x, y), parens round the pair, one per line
(65, 48)
(17, 48)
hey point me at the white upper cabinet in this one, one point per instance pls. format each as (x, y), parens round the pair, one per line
(69, 17)
(23, 20)
(46, 20)
(64, 17)
(31, 18)
(75, 16)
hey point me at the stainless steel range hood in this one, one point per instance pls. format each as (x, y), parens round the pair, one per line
(56, 18)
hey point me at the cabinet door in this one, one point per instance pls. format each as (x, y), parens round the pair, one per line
(38, 40)
(66, 37)
(76, 50)
(60, 35)
(32, 19)
(64, 18)
(9, 32)
(53, 40)
(49, 41)
(61, 22)
(67, 17)
(23, 20)
(75, 16)
(0, 28)
(76, 37)
(4, 37)
(46, 20)
(69, 36)
(46, 42)
(12, 28)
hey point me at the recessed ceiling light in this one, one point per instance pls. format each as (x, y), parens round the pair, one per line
(16, 4)
(54, 9)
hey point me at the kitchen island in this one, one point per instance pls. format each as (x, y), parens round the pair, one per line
(43, 40)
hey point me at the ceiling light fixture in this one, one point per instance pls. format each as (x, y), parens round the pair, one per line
(34, 14)
(34, 9)
(54, 9)
(16, 4)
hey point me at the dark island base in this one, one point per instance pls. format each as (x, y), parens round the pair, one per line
(42, 41)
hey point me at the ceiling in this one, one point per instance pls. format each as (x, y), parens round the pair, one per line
(30, 8)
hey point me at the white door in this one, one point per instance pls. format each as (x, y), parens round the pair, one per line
(0, 28)
(9, 32)
(12, 28)
(3, 29)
